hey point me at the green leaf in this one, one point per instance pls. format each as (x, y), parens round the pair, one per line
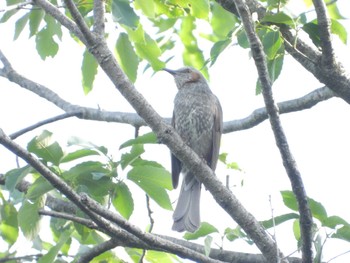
(124, 14)
(311, 29)
(147, 7)
(289, 200)
(35, 18)
(343, 233)
(20, 24)
(163, 24)
(78, 154)
(89, 71)
(334, 221)
(207, 245)
(91, 177)
(87, 145)
(128, 158)
(222, 21)
(150, 51)
(242, 39)
(8, 14)
(153, 180)
(150, 137)
(296, 229)
(236, 233)
(275, 65)
(53, 252)
(45, 44)
(317, 209)
(333, 10)
(38, 188)
(29, 219)
(217, 49)
(13, 2)
(204, 230)
(271, 41)
(279, 220)
(8, 222)
(44, 147)
(16, 175)
(192, 55)
(123, 200)
(199, 8)
(126, 56)
(279, 18)
(160, 257)
(339, 30)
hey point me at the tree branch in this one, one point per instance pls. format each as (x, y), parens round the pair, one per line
(44, 122)
(98, 250)
(324, 25)
(281, 140)
(99, 17)
(258, 115)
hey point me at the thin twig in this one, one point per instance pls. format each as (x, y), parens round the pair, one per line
(44, 122)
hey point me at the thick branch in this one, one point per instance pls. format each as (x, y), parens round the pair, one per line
(324, 26)
(98, 250)
(281, 140)
(99, 17)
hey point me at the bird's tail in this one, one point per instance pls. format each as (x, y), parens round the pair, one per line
(186, 215)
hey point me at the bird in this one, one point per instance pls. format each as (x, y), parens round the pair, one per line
(198, 119)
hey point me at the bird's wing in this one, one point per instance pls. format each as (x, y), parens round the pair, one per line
(217, 131)
(175, 163)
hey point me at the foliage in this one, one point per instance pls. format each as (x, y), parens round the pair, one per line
(148, 34)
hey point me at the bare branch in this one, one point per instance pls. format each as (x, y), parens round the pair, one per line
(324, 25)
(44, 122)
(98, 250)
(280, 137)
(99, 23)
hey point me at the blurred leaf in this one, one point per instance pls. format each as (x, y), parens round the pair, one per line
(20, 24)
(35, 18)
(89, 71)
(126, 56)
(123, 200)
(124, 14)
(237, 233)
(279, 18)
(8, 222)
(142, 139)
(242, 39)
(8, 14)
(207, 245)
(311, 29)
(78, 154)
(192, 55)
(128, 158)
(29, 219)
(333, 10)
(222, 21)
(38, 188)
(199, 8)
(279, 220)
(16, 175)
(343, 233)
(204, 230)
(44, 147)
(87, 145)
(153, 180)
(164, 24)
(13, 2)
(147, 7)
(334, 221)
(271, 41)
(160, 257)
(150, 51)
(217, 49)
(317, 209)
(339, 30)
(275, 65)
(52, 253)
(45, 45)
(289, 200)
(296, 229)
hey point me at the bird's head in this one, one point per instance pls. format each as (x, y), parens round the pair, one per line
(185, 76)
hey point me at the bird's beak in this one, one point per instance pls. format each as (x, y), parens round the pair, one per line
(171, 71)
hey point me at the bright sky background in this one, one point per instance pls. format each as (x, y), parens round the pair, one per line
(319, 138)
